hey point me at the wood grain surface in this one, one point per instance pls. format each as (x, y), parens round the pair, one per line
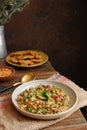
(75, 122)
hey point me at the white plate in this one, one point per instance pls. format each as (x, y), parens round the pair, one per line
(70, 92)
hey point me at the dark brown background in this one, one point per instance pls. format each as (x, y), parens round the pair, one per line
(58, 27)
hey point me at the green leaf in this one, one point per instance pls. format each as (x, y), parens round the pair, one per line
(45, 94)
(8, 8)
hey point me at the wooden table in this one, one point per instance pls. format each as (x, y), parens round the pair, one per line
(75, 122)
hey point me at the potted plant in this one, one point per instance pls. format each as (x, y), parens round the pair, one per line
(7, 9)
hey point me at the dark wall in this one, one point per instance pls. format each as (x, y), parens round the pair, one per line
(58, 27)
